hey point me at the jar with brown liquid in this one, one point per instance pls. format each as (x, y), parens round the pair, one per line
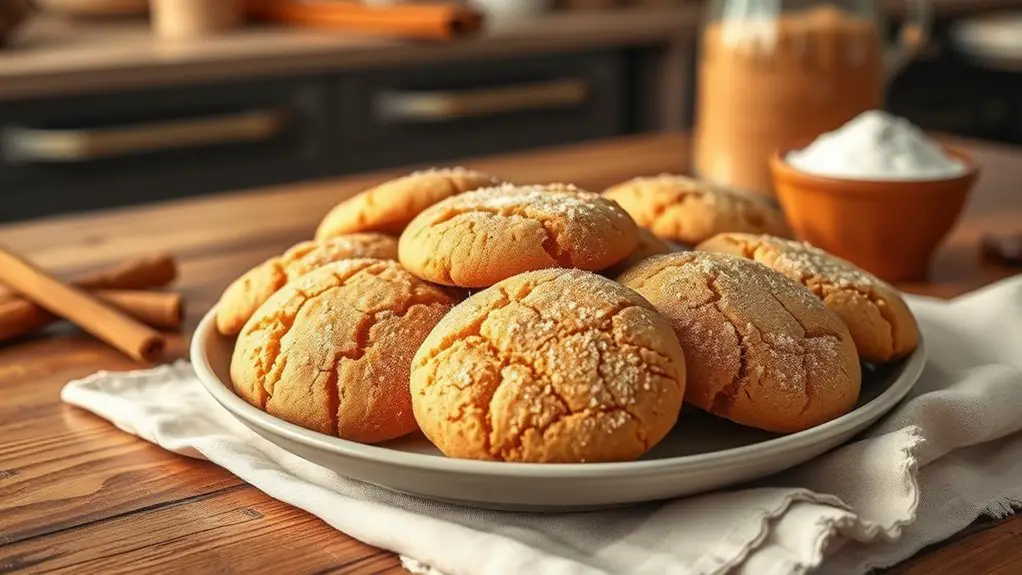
(777, 73)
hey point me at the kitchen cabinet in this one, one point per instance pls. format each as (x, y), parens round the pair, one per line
(434, 113)
(99, 150)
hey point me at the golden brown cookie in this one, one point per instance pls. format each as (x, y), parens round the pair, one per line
(389, 206)
(331, 351)
(649, 245)
(479, 238)
(555, 365)
(760, 349)
(688, 211)
(882, 326)
(240, 300)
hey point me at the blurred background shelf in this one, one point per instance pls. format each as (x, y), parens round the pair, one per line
(56, 57)
(96, 113)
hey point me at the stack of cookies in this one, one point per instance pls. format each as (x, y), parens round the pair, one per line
(546, 323)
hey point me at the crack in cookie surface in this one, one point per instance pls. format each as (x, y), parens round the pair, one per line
(243, 296)
(528, 228)
(345, 310)
(760, 348)
(542, 368)
(865, 303)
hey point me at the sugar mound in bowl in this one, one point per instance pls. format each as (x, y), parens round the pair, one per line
(876, 146)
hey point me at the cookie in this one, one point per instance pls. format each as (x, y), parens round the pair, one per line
(389, 206)
(554, 365)
(688, 211)
(331, 351)
(240, 300)
(882, 326)
(760, 349)
(479, 238)
(649, 245)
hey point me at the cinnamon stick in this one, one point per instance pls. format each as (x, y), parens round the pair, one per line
(19, 316)
(141, 273)
(431, 21)
(163, 310)
(89, 313)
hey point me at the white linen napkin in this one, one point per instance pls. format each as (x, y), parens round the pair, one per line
(948, 454)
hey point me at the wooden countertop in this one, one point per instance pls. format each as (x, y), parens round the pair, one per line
(53, 57)
(77, 493)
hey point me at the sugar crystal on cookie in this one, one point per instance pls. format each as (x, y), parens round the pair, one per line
(601, 385)
(763, 325)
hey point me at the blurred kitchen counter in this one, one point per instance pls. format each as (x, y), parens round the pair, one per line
(52, 57)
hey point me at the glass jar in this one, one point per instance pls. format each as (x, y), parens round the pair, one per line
(776, 73)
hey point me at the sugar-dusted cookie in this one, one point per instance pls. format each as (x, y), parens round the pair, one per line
(331, 351)
(882, 326)
(760, 349)
(389, 206)
(649, 245)
(688, 211)
(555, 365)
(240, 300)
(479, 238)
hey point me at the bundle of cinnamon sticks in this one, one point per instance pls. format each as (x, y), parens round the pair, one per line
(113, 304)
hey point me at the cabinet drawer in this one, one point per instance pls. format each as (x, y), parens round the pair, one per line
(116, 149)
(437, 113)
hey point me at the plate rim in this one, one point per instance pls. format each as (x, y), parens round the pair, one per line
(852, 421)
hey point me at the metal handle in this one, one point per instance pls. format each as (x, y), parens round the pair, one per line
(442, 106)
(22, 144)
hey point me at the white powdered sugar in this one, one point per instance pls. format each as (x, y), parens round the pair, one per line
(876, 146)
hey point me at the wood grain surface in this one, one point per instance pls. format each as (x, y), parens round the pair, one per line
(79, 496)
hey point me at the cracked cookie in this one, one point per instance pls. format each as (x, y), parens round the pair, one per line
(880, 322)
(479, 238)
(555, 365)
(331, 351)
(761, 350)
(649, 245)
(240, 300)
(389, 206)
(688, 211)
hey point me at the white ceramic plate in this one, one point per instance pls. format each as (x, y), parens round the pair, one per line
(701, 454)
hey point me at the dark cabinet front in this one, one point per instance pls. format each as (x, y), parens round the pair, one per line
(98, 151)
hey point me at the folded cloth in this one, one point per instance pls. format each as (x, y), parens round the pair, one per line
(948, 454)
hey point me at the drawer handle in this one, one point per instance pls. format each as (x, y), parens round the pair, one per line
(41, 145)
(441, 106)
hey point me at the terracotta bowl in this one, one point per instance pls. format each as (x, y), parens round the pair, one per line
(890, 228)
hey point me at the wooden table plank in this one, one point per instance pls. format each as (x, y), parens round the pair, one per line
(237, 530)
(113, 472)
(991, 549)
(123, 483)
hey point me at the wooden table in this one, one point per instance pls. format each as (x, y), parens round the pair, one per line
(78, 495)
